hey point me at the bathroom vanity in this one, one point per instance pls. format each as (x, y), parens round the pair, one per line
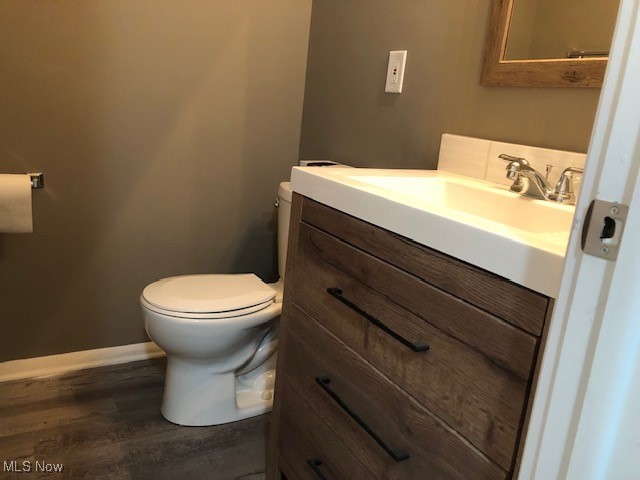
(397, 361)
(400, 360)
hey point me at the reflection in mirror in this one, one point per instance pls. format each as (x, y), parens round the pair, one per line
(546, 29)
(528, 41)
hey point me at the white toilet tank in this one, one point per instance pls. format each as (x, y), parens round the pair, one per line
(284, 215)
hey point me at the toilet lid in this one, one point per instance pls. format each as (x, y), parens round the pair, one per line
(208, 293)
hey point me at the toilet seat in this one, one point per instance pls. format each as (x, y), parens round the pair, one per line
(208, 296)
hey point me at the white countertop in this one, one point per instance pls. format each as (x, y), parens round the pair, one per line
(531, 257)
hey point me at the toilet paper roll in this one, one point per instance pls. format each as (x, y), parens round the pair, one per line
(15, 204)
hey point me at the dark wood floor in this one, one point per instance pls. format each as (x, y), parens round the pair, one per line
(105, 423)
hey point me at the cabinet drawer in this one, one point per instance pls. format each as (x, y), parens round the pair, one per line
(368, 414)
(513, 303)
(309, 448)
(476, 371)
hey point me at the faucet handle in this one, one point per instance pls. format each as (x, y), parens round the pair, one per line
(565, 183)
(510, 158)
(572, 170)
(515, 164)
(564, 191)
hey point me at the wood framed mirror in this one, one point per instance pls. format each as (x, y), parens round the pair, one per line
(500, 69)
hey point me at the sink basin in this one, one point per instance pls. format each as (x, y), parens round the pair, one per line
(482, 223)
(473, 198)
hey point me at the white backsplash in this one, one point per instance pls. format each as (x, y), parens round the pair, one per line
(478, 158)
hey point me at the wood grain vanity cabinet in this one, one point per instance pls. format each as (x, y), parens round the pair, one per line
(397, 361)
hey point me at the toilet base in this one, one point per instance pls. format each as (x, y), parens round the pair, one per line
(194, 395)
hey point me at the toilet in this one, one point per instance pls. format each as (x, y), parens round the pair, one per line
(220, 335)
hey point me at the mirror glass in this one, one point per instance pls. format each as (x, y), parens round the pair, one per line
(554, 29)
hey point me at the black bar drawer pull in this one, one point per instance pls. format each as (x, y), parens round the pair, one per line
(416, 347)
(397, 455)
(315, 463)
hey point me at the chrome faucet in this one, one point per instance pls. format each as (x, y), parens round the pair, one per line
(528, 181)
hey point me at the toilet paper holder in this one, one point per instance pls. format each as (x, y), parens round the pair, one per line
(37, 180)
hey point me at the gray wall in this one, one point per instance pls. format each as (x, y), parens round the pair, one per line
(163, 129)
(349, 118)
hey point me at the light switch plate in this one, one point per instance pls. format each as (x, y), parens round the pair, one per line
(395, 71)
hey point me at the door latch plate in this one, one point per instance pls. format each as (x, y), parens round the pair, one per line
(603, 228)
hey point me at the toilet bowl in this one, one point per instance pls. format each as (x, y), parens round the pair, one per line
(220, 335)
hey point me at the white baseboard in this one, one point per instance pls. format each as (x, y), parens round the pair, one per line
(67, 362)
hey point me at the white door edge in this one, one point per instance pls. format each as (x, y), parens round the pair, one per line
(582, 423)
